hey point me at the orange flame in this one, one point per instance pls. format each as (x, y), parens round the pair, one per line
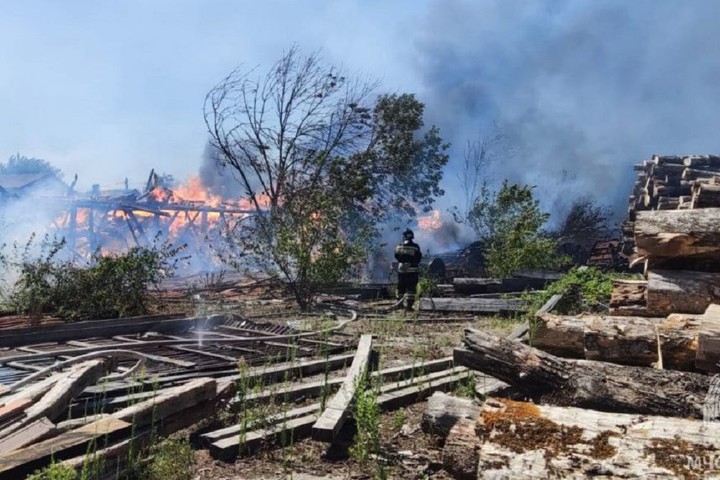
(431, 222)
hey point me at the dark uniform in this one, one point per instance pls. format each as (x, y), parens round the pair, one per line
(408, 256)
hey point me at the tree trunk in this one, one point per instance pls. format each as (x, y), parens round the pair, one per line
(522, 440)
(584, 383)
(678, 233)
(678, 291)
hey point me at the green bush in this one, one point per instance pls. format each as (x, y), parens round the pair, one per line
(511, 224)
(586, 290)
(109, 286)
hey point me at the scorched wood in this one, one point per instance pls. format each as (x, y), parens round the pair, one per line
(584, 383)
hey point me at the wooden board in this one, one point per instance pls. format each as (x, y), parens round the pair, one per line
(475, 305)
(16, 464)
(31, 433)
(336, 411)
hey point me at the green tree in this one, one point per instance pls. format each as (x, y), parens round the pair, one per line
(322, 161)
(510, 224)
(22, 164)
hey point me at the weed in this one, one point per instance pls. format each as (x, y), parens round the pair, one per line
(367, 421)
(466, 387)
(54, 471)
(171, 460)
(399, 419)
(107, 287)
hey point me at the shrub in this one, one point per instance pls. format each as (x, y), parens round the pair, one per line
(510, 222)
(109, 286)
(171, 460)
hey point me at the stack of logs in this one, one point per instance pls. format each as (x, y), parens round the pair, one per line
(673, 183)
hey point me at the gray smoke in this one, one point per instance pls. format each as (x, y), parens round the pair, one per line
(582, 89)
(217, 178)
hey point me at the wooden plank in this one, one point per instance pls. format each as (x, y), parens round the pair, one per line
(14, 407)
(34, 432)
(98, 328)
(336, 411)
(169, 402)
(283, 371)
(475, 305)
(233, 432)
(16, 464)
(203, 353)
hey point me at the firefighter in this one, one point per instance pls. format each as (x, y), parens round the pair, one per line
(408, 256)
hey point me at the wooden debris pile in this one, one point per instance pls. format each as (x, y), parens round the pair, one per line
(100, 391)
(105, 388)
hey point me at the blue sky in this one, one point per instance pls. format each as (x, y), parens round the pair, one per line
(581, 89)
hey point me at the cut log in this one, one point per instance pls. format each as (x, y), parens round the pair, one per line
(476, 305)
(628, 298)
(460, 455)
(623, 340)
(705, 196)
(522, 440)
(702, 161)
(442, 412)
(560, 335)
(584, 383)
(708, 354)
(678, 291)
(337, 409)
(678, 233)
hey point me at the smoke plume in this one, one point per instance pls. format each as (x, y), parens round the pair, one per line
(581, 89)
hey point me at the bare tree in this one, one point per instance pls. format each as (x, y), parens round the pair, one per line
(321, 160)
(478, 155)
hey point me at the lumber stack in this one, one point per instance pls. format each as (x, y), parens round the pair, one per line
(670, 182)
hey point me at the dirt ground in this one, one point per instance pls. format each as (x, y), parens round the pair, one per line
(400, 338)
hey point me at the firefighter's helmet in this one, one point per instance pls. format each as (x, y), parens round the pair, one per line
(408, 234)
